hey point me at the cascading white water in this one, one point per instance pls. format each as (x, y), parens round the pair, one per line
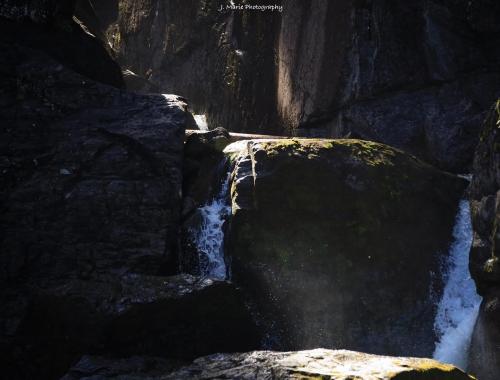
(209, 238)
(459, 306)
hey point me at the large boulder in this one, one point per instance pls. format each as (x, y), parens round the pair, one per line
(339, 242)
(316, 364)
(484, 256)
(91, 175)
(91, 182)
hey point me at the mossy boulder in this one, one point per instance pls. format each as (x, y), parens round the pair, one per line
(339, 242)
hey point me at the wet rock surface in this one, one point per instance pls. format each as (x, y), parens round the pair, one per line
(484, 257)
(419, 77)
(339, 242)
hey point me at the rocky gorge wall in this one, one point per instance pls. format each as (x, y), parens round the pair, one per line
(96, 183)
(417, 76)
(484, 262)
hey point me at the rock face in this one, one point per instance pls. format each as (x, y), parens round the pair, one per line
(406, 75)
(339, 242)
(319, 363)
(91, 185)
(86, 169)
(419, 77)
(205, 54)
(484, 257)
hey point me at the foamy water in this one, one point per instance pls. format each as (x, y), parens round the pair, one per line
(209, 238)
(459, 306)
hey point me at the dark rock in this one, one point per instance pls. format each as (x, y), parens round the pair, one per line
(179, 317)
(340, 242)
(199, 144)
(91, 185)
(315, 364)
(486, 174)
(136, 83)
(44, 12)
(417, 76)
(484, 355)
(133, 368)
(48, 26)
(203, 166)
(446, 136)
(86, 168)
(86, 15)
(484, 256)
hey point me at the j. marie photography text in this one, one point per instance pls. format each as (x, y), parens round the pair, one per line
(250, 7)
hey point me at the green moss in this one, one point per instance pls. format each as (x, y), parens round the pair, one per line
(431, 369)
(371, 153)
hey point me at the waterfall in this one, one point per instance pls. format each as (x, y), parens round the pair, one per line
(209, 238)
(459, 306)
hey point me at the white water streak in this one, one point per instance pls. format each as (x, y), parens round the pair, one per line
(210, 237)
(458, 309)
(201, 122)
